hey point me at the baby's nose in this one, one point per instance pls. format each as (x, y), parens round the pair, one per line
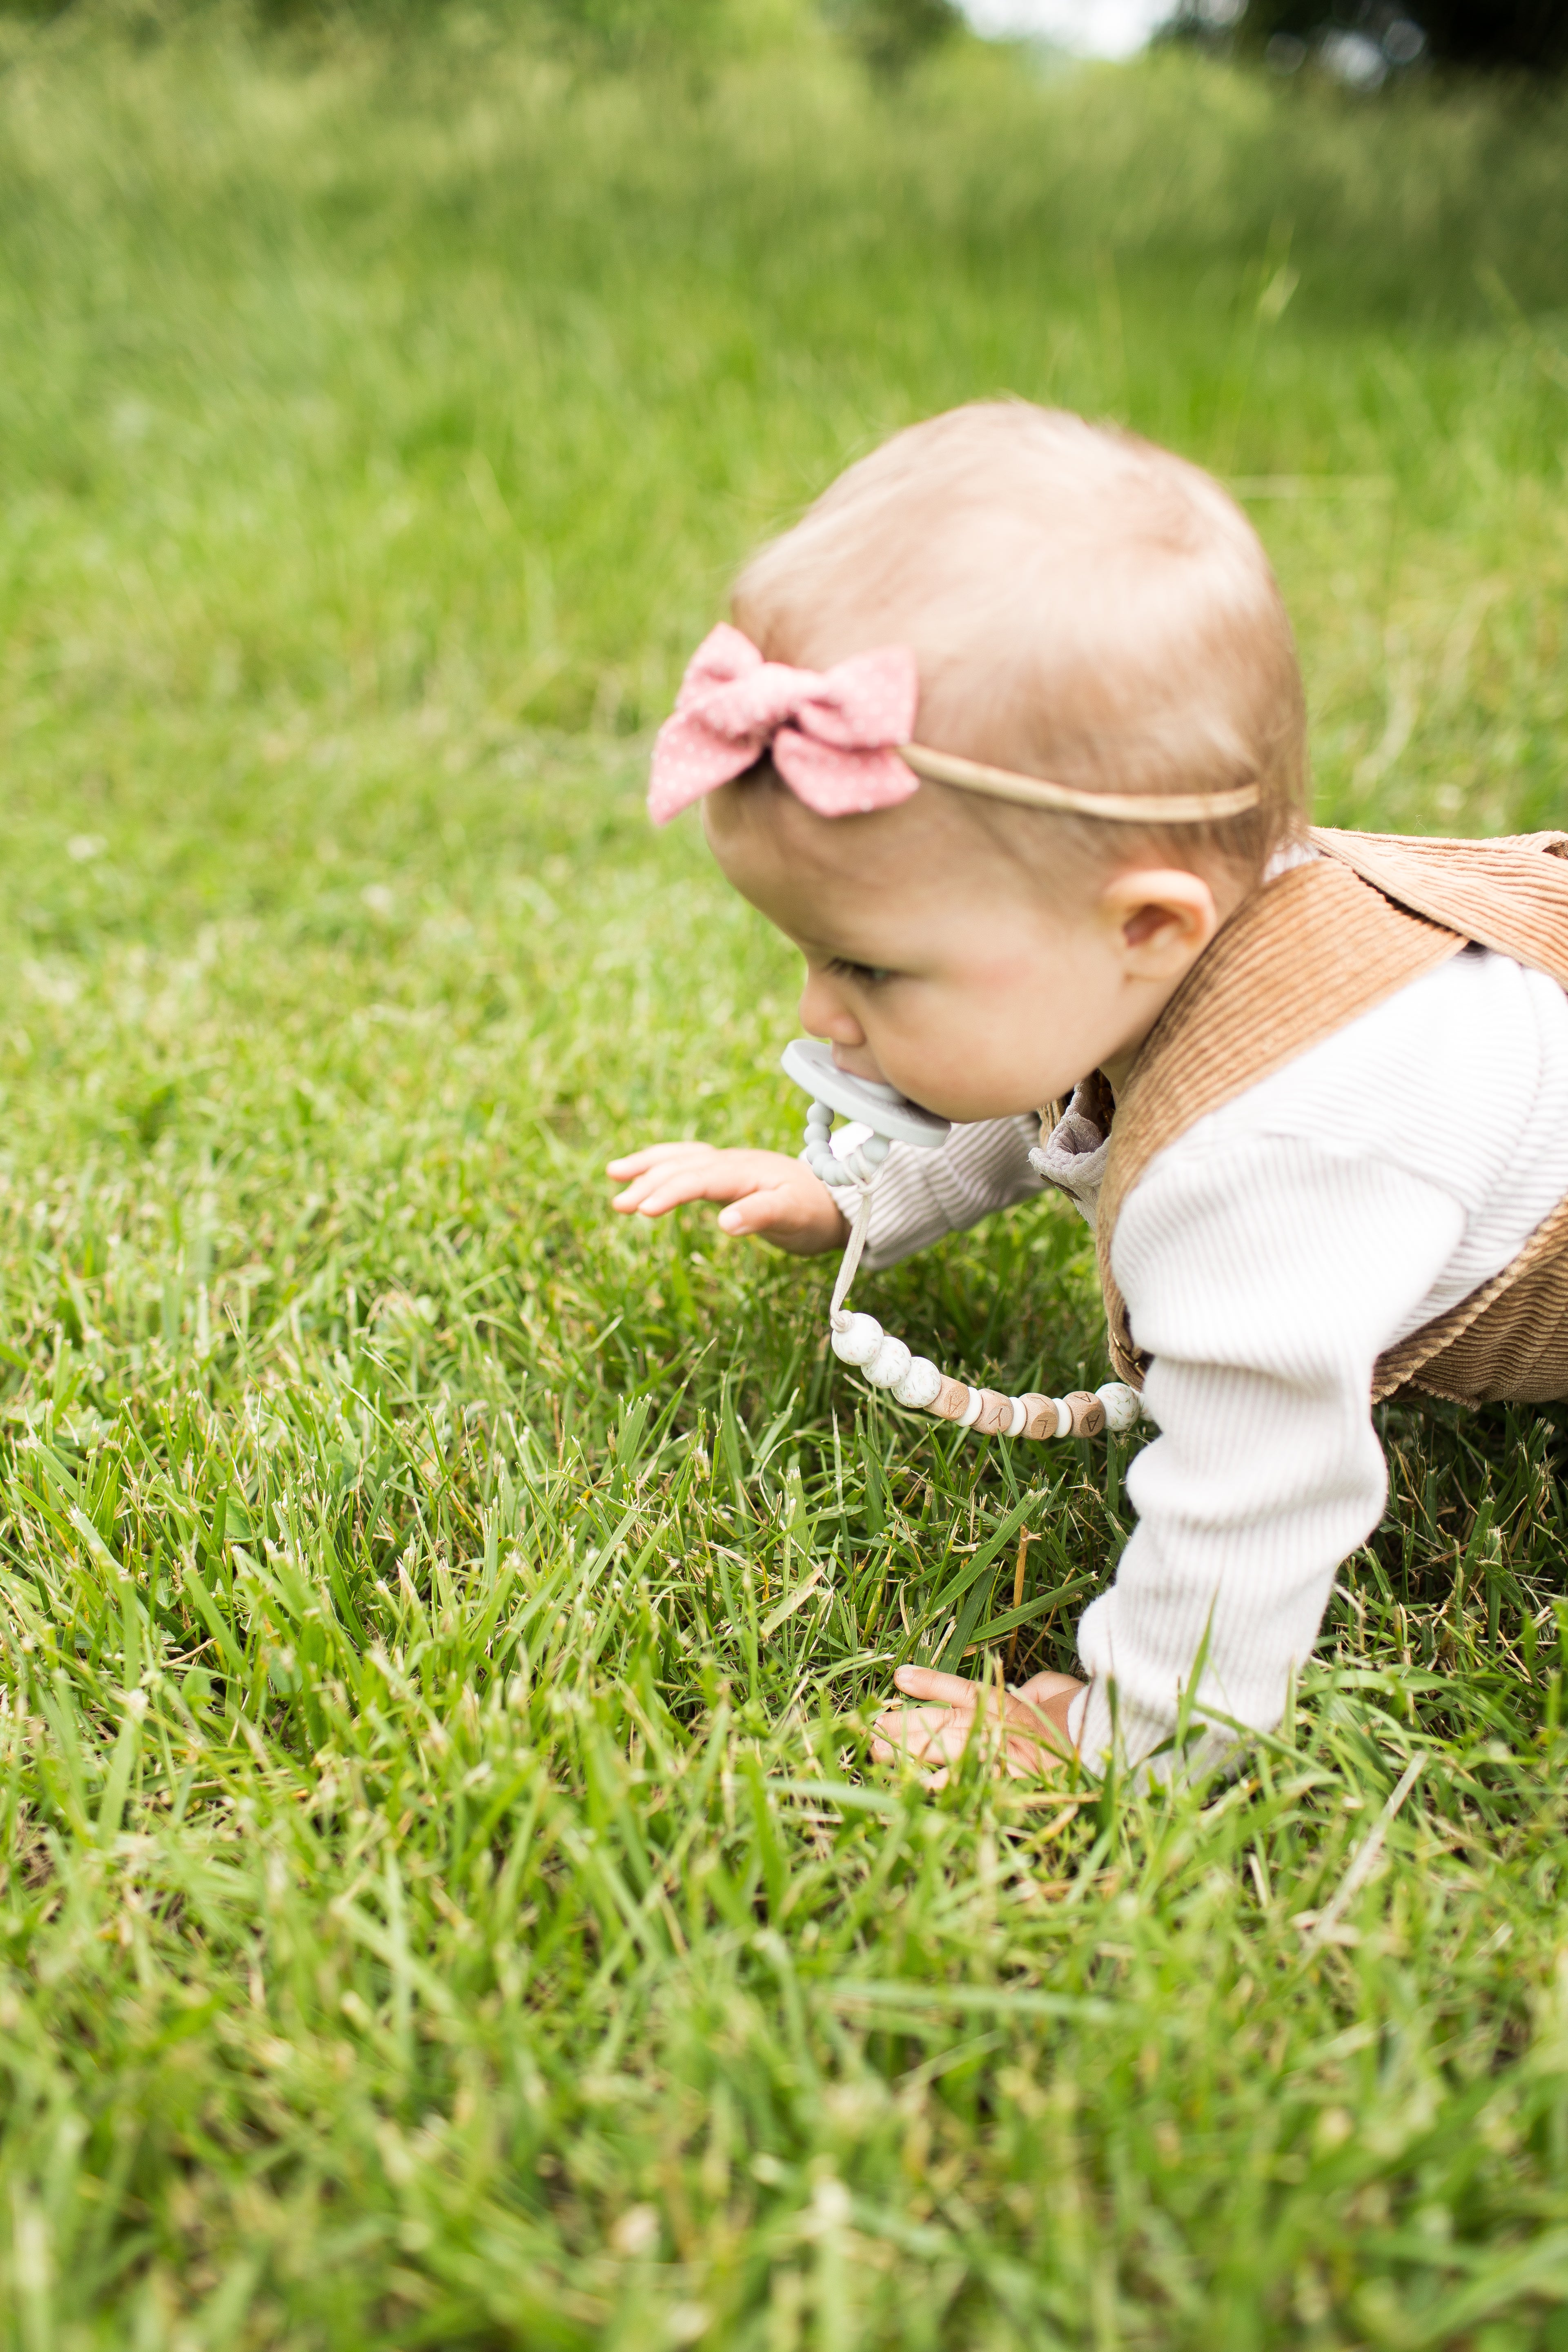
(824, 1012)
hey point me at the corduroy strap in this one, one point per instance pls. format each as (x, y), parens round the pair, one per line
(1300, 958)
(1511, 894)
(1509, 1338)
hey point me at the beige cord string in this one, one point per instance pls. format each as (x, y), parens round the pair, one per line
(860, 1225)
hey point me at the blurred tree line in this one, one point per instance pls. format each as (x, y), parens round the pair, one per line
(890, 34)
(1522, 36)
(1389, 37)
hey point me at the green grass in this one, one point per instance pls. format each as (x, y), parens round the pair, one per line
(444, 1900)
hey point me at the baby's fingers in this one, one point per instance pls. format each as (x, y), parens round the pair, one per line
(770, 1210)
(654, 1155)
(1040, 1688)
(884, 1752)
(672, 1182)
(924, 1682)
(918, 1736)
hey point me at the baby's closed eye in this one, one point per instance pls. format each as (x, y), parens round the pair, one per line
(870, 975)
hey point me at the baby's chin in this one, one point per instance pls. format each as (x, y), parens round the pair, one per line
(964, 1109)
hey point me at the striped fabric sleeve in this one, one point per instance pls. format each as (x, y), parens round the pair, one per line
(920, 1195)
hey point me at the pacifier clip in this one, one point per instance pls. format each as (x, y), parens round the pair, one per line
(885, 1360)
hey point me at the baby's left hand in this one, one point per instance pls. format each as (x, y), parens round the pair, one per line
(1031, 1741)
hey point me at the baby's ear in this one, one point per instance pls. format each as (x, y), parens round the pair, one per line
(1163, 918)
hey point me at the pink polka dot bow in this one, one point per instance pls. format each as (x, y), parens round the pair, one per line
(830, 733)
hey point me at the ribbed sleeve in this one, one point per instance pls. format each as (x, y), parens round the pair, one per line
(1266, 1273)
(1268, 1258)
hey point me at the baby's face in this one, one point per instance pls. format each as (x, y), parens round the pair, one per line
(939, 963)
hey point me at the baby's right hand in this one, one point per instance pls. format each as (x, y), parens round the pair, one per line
(768, 1193)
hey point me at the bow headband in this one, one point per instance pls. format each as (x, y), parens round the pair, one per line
(840, 739)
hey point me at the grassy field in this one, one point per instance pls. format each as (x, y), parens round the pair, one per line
(442, 1899)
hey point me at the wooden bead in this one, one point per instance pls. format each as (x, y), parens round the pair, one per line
(1087, 1412)
(995, 1415)
(1043, 1415)
(952, 1400)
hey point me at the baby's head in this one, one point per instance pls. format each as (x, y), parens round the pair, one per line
(1082, 607)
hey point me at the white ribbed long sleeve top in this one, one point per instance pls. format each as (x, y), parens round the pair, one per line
(1268, 1257)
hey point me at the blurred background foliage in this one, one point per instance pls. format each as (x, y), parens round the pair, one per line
(1363, 43)
(888, 35)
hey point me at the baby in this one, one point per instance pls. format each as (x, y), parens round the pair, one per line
(1316, 1083)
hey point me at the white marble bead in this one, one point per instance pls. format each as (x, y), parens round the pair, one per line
(1123, 1405)
(888, 1365)
(921, 1384)
(859, 1342)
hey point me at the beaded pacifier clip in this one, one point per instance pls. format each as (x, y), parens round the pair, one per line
(859, 1340)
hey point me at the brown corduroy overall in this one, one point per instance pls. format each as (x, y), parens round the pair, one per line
(1300, 957)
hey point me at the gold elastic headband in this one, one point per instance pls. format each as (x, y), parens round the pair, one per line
(839, 740)
(1034, 792)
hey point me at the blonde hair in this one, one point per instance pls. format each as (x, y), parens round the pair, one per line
(1083, 607)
